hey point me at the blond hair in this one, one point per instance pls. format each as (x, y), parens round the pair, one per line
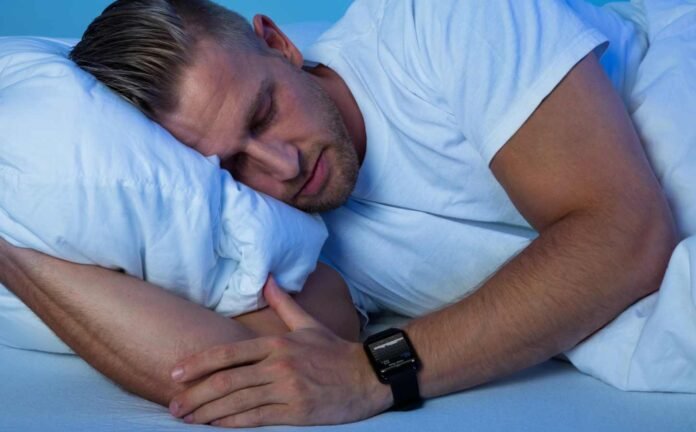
(139, 48)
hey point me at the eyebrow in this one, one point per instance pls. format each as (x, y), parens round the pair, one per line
(258, 100)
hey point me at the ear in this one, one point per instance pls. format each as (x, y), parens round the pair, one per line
(273, 36)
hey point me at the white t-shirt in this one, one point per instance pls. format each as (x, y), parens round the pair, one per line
(442, 86)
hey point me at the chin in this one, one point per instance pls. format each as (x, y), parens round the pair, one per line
(321, 206)
(331, 199)
(344, 165)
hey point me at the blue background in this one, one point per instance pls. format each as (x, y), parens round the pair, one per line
(69, 18)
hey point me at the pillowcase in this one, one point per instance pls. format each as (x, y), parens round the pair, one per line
(86, 177)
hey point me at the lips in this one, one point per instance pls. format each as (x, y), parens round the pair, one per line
(316, 180)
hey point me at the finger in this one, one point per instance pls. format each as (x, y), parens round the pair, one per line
(216, 386)
(267, 415)
(287, 309)
(220, 357)
(233, 404)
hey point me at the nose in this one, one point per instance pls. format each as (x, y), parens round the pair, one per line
(279, 159)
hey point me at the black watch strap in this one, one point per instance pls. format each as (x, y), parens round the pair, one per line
(404, 385)
(396, 364)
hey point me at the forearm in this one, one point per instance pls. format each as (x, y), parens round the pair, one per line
(577, 172)
(135, 332)
(131, 331)
(577, 276)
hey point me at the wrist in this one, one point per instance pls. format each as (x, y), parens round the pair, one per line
(378, 394)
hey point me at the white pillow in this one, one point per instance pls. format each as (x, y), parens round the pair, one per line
(86, 177)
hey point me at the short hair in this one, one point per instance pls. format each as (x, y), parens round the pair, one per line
(139, 48)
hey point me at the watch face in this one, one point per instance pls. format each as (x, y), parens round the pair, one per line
(390, 353)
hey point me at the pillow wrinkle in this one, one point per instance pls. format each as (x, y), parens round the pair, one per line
(86, 177)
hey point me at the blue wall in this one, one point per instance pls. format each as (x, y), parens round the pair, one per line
(69, 18)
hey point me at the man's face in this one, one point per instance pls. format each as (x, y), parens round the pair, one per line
(272, 125)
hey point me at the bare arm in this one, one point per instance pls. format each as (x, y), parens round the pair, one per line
(577, 172)
(135, 332)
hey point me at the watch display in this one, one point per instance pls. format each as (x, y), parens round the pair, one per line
(391, 354)
(395, 363)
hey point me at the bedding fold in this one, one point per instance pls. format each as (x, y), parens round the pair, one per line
(86, 177)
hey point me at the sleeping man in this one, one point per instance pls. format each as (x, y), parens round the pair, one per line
(475, 165)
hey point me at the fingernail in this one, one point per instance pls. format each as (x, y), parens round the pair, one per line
(189, 418)
(174, 408)
(177, 373)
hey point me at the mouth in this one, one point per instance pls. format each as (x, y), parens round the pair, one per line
(317, 178)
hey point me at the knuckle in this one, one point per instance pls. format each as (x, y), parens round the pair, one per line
(278, 343)
(203, 415)
(256, 417)
(223, 352)
(304, 409)
(238, 400)
(228, 352)
(297, 387)
(227, 422)
(192, 363)
(284, 365)
(221, 382)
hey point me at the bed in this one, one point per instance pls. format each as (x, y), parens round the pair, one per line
(44, 392)
(54, 392)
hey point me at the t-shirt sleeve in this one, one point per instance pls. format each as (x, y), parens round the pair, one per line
(493, 62)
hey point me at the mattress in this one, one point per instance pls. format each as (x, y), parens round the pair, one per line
(44, 392)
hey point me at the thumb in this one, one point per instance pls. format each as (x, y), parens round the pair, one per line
(286, 307)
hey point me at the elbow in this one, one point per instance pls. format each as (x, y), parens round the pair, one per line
(652, 237)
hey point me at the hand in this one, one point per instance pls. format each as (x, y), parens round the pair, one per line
(309, 376)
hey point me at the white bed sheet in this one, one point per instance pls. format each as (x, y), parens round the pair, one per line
(652, 345)
(44, 392)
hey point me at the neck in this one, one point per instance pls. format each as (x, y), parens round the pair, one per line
(340, 94)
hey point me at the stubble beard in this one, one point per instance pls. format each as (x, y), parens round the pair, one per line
(344, 172)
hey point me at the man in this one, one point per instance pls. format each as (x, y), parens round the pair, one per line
(460, 125)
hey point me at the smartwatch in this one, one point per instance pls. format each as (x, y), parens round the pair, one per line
(395, 362)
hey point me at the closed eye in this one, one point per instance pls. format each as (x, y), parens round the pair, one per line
(266, 115)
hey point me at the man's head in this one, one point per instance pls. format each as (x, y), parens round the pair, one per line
(229, 89)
